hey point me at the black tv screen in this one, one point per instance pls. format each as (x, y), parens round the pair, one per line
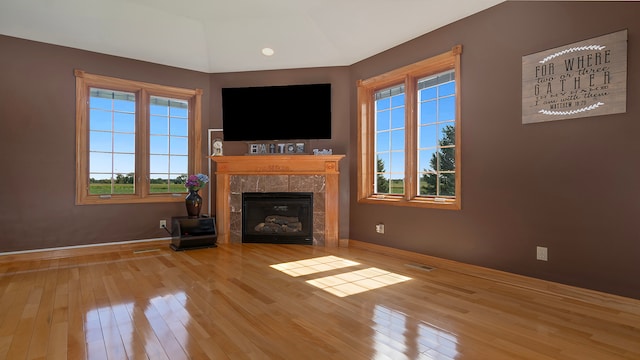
(291, 112)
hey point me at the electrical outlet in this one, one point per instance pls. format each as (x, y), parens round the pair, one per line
(541, 253)
(380, 228)
(163, 224)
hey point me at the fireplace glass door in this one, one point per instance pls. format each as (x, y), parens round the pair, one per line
(277, 217)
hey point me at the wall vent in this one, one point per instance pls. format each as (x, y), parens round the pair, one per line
(421, 267)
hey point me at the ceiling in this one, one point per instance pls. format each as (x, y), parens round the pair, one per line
(216, 36)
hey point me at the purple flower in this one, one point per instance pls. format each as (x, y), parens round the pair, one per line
(195, 182)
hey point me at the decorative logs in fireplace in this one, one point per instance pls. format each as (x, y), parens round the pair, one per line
(278, 223)
(277, 217)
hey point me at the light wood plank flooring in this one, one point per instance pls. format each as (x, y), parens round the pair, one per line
(261, 301)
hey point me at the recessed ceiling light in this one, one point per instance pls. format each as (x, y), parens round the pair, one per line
(267, 51)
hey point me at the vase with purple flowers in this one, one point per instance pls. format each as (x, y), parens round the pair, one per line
(193, 201)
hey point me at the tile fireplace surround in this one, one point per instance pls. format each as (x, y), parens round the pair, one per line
(278, 173)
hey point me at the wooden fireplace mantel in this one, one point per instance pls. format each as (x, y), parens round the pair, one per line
(326, 165)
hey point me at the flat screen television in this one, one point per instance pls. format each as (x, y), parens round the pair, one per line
(290, 112)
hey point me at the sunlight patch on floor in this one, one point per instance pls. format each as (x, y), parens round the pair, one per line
(358, 281)
(343, 284)
(313, 265)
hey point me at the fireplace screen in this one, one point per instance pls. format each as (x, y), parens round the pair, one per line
(277, 217)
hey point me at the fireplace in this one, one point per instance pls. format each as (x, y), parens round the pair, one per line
(319, 174)
(277, 217)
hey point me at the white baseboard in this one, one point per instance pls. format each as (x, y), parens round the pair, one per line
(64, 248)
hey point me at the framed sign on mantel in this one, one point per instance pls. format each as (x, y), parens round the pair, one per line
(275, 147)
(587, 78)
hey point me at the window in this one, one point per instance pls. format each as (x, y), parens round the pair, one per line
(409, 135)
(136, 142)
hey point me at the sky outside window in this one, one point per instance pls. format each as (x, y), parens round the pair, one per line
(168, 141)
(112, 137)
(390, 140)
(112, 142)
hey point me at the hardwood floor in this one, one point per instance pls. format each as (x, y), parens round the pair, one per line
(260, 301)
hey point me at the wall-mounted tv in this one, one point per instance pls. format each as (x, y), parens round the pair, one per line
(290, 112)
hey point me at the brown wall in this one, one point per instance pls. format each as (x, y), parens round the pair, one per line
(568, 185)
(37, 142)
(37, 148)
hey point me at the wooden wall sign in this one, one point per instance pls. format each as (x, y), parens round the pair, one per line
(587, 78)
